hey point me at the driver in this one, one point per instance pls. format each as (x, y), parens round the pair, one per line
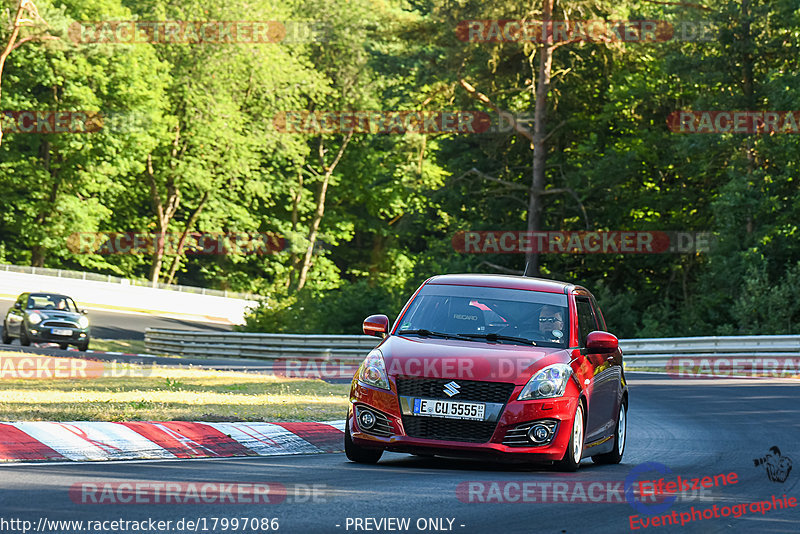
(551, 319)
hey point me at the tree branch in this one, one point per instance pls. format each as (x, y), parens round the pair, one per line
(485, 176)
(480, 97)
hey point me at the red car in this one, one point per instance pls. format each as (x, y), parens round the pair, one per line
(503, 367)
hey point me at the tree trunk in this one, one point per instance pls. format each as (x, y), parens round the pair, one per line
(294, 259)
(539, 135)
(164, 214)
(320, 211)
(189, 225)
(6, 51)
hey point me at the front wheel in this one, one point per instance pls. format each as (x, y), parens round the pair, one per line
(83, 347)
(24, 340)
(620, 434)
(63, 346)
(358, 454)
(6, 337)
(574, 452)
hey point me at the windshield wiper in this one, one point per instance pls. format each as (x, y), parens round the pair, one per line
(500, 337)
(428, 333)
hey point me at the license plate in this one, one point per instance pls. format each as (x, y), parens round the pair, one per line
(449, 409)
(61, 332)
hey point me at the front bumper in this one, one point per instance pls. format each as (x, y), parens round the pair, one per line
(44, 334)
(405, 433)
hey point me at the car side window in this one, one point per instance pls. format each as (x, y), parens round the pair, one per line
(586, 319)
(598, 314)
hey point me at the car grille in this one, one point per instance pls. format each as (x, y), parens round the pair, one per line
(59, 324)
(448, 429)
(452, 429)
(470, 390)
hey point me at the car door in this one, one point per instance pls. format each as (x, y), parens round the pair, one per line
(601, 388)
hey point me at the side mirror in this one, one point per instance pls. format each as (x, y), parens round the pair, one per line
(17, 305)
(84, 312)
(598, 342)
(376, 325)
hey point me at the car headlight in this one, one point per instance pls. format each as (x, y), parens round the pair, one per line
(547, 383)
(373, 371)
(83, 322)
(34, 318)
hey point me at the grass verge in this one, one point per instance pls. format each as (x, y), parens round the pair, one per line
(131, 346)
(153, 393)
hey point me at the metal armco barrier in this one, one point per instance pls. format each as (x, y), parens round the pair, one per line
(657, 352)
(650, 353)
(262, 346)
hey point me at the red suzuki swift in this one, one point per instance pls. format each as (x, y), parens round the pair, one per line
(493, 366)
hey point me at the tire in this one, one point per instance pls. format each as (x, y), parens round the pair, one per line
(24, 340)
(572, 456)
(358, 454)
(63, 346)
(620, 437)
(83, 347)
(6, 337)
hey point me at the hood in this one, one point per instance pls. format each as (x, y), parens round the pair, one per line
(56, 315)
(420, 357)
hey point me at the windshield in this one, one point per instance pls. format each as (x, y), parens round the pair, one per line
(478, 311)
(51, 302)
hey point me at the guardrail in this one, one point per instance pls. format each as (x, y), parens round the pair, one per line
(659, 352)
(96, 291)
(81, 275)
(640, 353)
(261, 346)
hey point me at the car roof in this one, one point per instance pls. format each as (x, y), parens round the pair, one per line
(43, 294)
(505, 281)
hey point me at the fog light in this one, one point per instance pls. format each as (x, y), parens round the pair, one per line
(82, 335)
(366, 419)
(538, 433)
(34, 331)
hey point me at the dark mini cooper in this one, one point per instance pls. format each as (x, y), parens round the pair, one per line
(491, 366)
(47, 318)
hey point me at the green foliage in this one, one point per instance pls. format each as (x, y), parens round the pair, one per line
(393, 202)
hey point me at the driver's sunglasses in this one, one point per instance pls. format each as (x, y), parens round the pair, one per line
(549, 319)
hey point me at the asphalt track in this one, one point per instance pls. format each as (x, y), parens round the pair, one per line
(695, 428)
(119, 325)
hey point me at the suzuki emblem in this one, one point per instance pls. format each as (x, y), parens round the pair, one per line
(451, 388)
